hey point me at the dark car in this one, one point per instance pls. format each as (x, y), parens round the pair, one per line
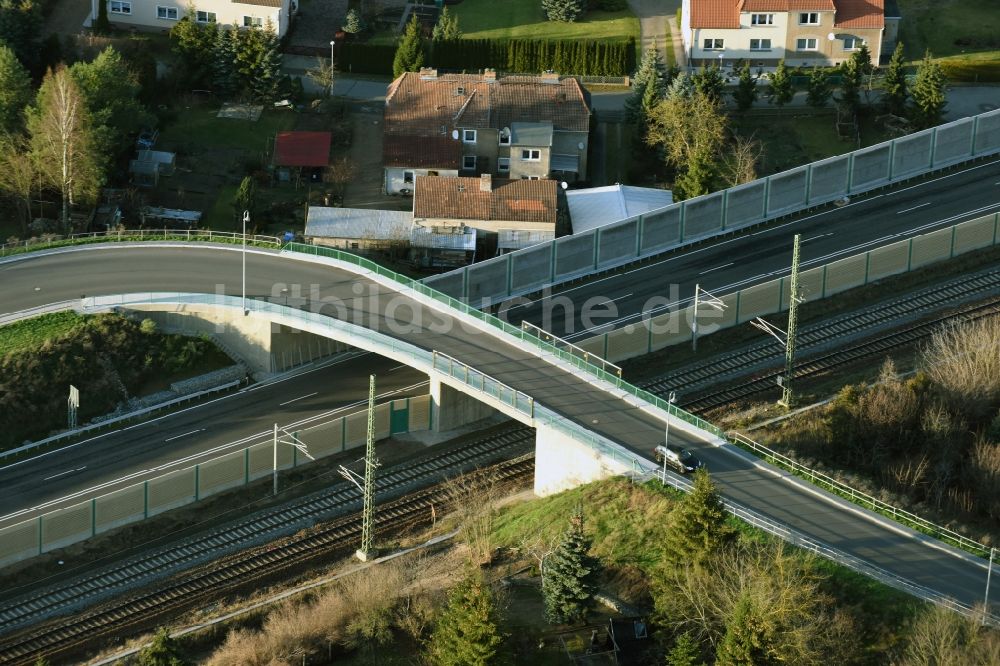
(678, 457)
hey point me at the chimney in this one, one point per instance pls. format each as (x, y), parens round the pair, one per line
(490, 75)
(486, 183)
(428, 73)
(550, 77)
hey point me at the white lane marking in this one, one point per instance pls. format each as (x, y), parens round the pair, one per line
(398, 367)
(69, 471)
(900, 212)
(297, 399)
(170, 439)
(612, 300)
(717, 268)
(806, 240)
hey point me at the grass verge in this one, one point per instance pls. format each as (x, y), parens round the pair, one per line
(31, 333)
(523, 19)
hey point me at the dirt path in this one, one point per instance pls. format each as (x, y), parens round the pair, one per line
(653, 23)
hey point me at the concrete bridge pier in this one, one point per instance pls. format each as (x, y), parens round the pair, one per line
(562, 462)
(452, 409)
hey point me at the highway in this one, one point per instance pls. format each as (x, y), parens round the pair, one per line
(750, 258)
(45, 278)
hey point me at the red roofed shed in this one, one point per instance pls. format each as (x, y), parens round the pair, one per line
(302, 149)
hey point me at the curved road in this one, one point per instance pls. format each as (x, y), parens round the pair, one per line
(46, 278)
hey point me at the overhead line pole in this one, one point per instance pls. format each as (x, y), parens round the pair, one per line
(787, 395)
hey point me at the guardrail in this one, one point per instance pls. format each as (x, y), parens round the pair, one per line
(555, 340)
(132, 235)
(861, 499)
(454, 368)
(796, 538)
(510, 329)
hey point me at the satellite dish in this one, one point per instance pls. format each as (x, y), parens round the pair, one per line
(564, 185)
(580, 145)
(831, 36)
(454, 134)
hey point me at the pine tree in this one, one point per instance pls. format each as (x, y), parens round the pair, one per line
(863, 56)
(746, 92)
(565, 11)
(352, 22)
(410, 52)
(246, 198)
(224, 76)
(101, 25)
(709, 80)
(695, 177)
(265, 74)
(780, 91)
(699, 524)
(163, 651)
(15, 91)
(745, 641)
(446, 28)
(819, 88)
(569, 576)
(685, 652)
(682, 87)
(894, 91)
(928, 94)
(196, 43)
(850, 85)
(466, 633)
(649, 77)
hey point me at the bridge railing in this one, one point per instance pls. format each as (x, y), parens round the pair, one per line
(862, 499)
(483, 383)
(524, 336)
(796, 538)
(130, 235)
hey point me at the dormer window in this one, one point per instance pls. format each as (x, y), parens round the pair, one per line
(460, 90)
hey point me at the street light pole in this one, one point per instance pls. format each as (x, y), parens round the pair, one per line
(332, 42)
(246, 218)
(671, 399)
(986, 599)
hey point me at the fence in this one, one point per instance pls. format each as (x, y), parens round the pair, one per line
(768, 298)
(91, 517)
(798, 539)
(193, 235)
(822, 182)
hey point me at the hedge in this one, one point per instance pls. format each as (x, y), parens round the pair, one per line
(528, 56)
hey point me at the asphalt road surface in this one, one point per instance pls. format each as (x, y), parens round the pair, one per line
(46, 278)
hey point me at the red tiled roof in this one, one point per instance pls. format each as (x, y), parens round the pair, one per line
(715, 13)
(421, 152)
(464, 199)
(302, 149)
(860, 14)
(788, 5)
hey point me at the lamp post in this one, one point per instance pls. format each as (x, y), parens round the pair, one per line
(986, 599)
(246, 218)
(671, 399)
(332, 42)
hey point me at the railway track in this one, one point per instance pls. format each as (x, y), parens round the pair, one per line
(124, 578)
(700, 402)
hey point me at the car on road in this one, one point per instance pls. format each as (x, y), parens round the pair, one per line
(677, 457)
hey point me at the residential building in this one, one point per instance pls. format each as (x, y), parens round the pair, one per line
(594, 207)
(511, 127)
(153, 15)
(496, 206)
(802, 32)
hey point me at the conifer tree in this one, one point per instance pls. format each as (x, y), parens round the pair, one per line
(863, 56)
(569, 576)
(224, 76)
(819, 91)
(264, 77)
(850, 84)
(710, 82)
(15, 91)
(684, 652)
(746, 92)
(699, 524)
(682, 87)
(894, 92)
(352, 22)
(745, 641)
(648, 84)
(466, 633)
(565, 11)
(446, 28)
(928, 93)
(163, 651)
(780, 91)
(410, 52)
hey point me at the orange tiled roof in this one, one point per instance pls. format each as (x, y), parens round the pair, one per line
(726, 13)
(421, 152)
(440, 197)
(788, 5)
(860, 14)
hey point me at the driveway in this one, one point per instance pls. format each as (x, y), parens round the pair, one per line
(654, 16)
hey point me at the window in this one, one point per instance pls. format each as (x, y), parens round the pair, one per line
(469, 162)
(714, 44)
(252, 22)
(166, 13)
(760, 44)
(806, 44)
(468, 136)
(531, 155)
(204, 17)
(853, 43)
(117, 7)
(354, 246)
(809, 18)
(407, 176)
(504, 138)
(503, 164)
(531, 177)
(762, 19)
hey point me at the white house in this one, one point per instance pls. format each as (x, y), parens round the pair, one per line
(163, 14)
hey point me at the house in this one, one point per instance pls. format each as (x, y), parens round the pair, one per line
(155, 15)
(802, 32)
(594, 207)
(497, 207)
(512, 127)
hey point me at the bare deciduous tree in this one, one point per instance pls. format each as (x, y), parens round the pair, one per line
(964, 361)
(941, 637)
(323, 75)
(744, 154)
(17, 176)
(474, 498)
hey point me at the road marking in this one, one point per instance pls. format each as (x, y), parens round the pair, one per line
(69, 471)
(717, 268)
(612, 300)
(806, 240)
(398, 367)
(900, 212)
(297, 399)
(170, 439)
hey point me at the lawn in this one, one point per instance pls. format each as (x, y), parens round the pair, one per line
(197, 126)
(31, 333)
(950, 27)
(484, 19)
